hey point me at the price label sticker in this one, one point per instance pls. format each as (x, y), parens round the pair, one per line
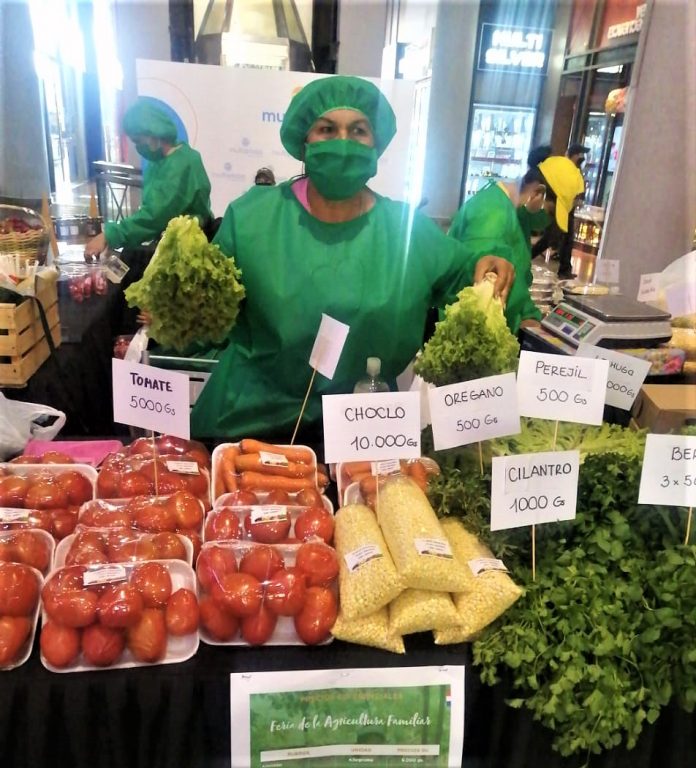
(269, 513)
(484, 564)
(273, 459)
(362, 555)
(104, 575)
(183, 467)
(388, 467)
(607, 271)
(534, 488)
(13, 515)
(562, 388)
(625, 377)
(474, 410)
(371, 427)
(151, 398)
(649, 287)
(669, 471)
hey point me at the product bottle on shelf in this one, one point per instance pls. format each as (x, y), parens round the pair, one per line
(371, 382)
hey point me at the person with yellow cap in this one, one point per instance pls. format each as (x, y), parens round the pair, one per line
(327, 243)
(174, 182)
(489, 223)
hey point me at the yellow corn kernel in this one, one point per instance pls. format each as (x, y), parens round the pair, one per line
(420, 610)
(372, 630)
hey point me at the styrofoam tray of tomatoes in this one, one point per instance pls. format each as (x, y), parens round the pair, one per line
(33, 547)
(94, 546)
(122, 477)
(180, 512)
(366, 474)
(307, 498)
(252, 465)
(267, 594)
(20, 587)
(168, 445)
(119, 616)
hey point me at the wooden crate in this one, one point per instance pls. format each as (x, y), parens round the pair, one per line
(23, 346)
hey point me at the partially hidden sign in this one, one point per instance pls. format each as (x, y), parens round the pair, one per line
(342, 717)
(625, 377)
(328, 345)
(151, 398)
(669, 471)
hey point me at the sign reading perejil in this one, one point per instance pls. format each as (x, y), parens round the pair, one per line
(626, 374)
(371, 427)
(474, 410)
(514, 49)
(534, 488)
(562, 388)
(151, 398)
(669, 471)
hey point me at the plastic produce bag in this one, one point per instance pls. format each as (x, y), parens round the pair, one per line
(20, 422)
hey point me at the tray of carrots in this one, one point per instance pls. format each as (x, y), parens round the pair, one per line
(256, 466)
(361, 477)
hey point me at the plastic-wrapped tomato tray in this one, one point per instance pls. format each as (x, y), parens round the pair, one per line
(33, 547)
(20, 588)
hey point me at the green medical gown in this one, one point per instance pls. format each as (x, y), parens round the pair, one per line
(487, 225)
(379, 274)
(175, 185)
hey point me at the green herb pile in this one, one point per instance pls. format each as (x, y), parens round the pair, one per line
(605, 635)
(190, 288)
(471, 342)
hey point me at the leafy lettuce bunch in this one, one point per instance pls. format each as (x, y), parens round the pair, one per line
(191, 289)
(471, 342)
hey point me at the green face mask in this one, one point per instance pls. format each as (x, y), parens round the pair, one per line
(532, 222)
(340, 168)
(144, 150)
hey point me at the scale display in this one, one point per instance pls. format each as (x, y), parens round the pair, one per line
(568, 324)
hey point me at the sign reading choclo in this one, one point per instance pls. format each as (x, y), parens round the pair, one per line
(514, 49)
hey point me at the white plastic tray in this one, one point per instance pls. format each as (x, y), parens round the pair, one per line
(29, 643)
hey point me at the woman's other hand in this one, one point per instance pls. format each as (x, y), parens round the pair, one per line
(95, 246)
(502, 268)
(530, 323)
(144, 317)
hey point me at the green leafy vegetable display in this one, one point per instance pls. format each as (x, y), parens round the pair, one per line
(191, 289)
(471, 342)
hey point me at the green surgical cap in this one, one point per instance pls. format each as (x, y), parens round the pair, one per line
(336, 92)
(144, 117)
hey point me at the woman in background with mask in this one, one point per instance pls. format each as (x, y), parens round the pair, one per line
(489, 223)
(326, 243)
(174, 182)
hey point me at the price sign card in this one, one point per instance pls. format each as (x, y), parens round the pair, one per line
(626, 374)
(328, 345)
(371, 427)
(151, 398)
(649, 288)
(607, 271)
(534, 488)
(562, 388)
(340, 717)
(474, 410)
(669, 471)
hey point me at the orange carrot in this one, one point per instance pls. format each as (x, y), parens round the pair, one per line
(251, 462)
(302, 455)
(228, 468)
(322, 479)
(255, 481)
(353, 468)
(368, 486)
(418, 474)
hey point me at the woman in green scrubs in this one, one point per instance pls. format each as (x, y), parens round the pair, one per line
(326, 243)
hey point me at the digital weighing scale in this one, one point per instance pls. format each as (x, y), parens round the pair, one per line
(608, 321)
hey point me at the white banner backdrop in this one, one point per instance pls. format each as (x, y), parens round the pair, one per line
(232, 116)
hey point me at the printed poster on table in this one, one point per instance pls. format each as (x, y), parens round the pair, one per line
(339, 717)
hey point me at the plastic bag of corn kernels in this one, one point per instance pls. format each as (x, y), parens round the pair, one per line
(422, 554)
(493, 590)
(372, 630)
(420, 610)
(367, 577)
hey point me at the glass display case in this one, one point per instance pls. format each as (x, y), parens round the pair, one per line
(501, 138)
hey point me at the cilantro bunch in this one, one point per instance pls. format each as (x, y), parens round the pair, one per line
(191, 289)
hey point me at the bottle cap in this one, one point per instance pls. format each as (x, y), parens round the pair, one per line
(374, 366)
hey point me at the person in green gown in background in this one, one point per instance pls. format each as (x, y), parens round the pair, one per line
(326, 243)
(489, 223)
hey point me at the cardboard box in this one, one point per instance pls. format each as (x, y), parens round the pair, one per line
(664, 407)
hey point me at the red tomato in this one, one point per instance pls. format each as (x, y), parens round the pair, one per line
(285, 592)
(32, 549)
(39, 518)
(19, 590)
(85, 555)
(197, 484)
(147, 640)
(64, 580)
(154, 583)
(223, 524)
(133, 484)
(59, 645)
(63, 522)
(258, 628)
(212, 564)
(88, 538)
(120, 606)
(310, 497)
(314, 521)
(168, 546)
(181, 615)
(170, 482)
(102, 516)
(186, 508)
(268, 532)
(14, 631)
(46, 494)
(238, 593)
(76, 485)
(108, 482)
(56, 457)
(242, 499)
(102, 646)
(319, 562)
(76, 608)
(154, 517)
(13, 491)
(277, 496)
(261, 562)
(137, 548)
(216, 622)
(195, 538)
(313, 623)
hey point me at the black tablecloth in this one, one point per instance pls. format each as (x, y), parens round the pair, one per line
(178, 715)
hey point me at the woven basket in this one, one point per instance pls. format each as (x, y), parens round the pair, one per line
(29, 245)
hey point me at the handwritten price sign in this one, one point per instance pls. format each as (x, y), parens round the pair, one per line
(669, 471)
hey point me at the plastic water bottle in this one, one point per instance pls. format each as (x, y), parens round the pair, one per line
(371, 382)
